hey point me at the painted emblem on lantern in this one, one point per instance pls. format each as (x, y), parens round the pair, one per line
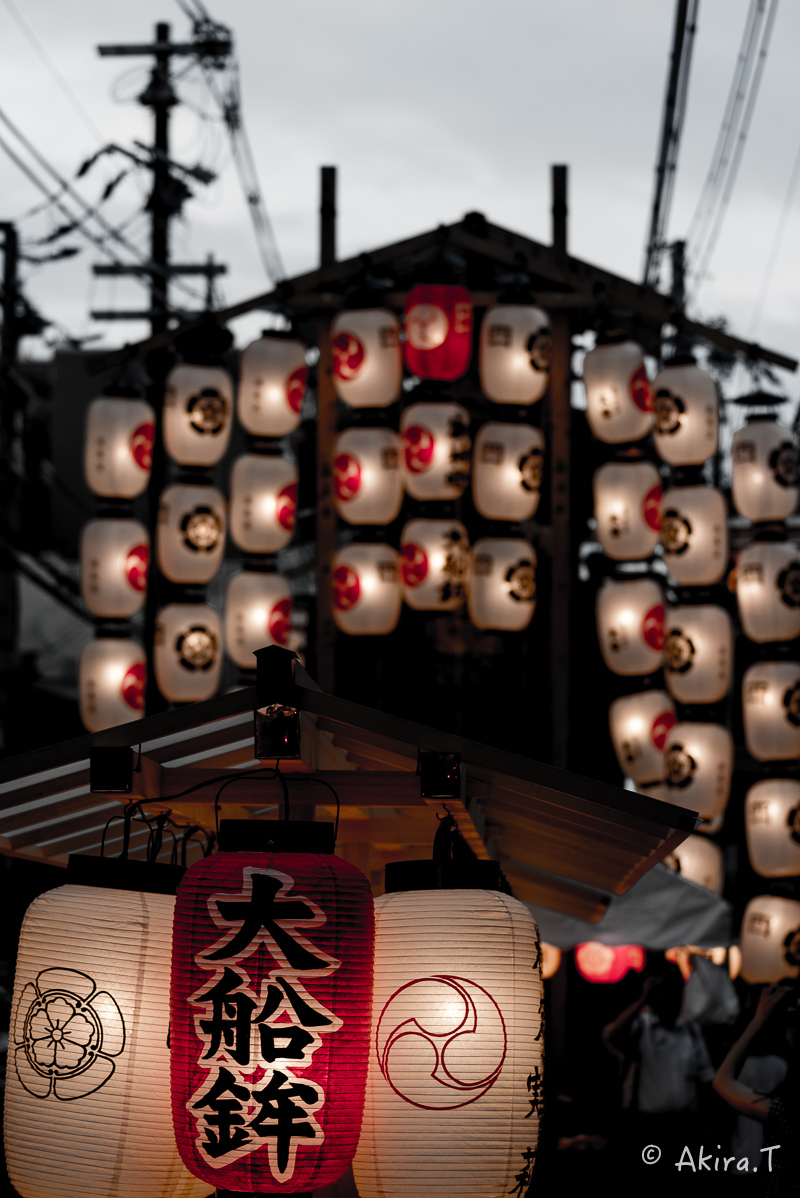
(286, 507)
(653, 627)
(348, 356)
(651, 508)
(675, 531)
(789, 585)
(530, 468)
(680, 766)
(678, 651)
(207, 411)
(522, 581)
(419, 445)
(136, 564)
(668, 409)
(641, 392)
(196, 648)
(133, 684)
(296, 388)
(413, 564)
(540, 349)
(427, 326)
(279, 624)
(202, 529)
(142, 439)
(347, 476)
(783, 464)
(791, 946)
(791, 701)
(346, 588)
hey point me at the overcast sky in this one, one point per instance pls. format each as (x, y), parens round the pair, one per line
(430, 109)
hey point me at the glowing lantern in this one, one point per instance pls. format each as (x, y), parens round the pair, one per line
(639, 726)
(272, 383)
(454, 1089)
(263, 502)
(198, 411)
(272, 1101)
(258, 609)
(772, 823)
(367, 475)
(686, 405)
(630, 625)
(597, 962)
(433, 564)
(115, 555)
(118, 449)
(694, 534)
(516, 347)
(699, 860)
(188, 652)
(436, 450)
(367, 362)
(501, 583)
(507, 471)
(87, 1111)
(619, 403)
(438, 330)
(770, 939)
(768, 590)
(698, 653)
(699, 766)
(771, 710)
(190, 538)
(111, 681)
(626, 507)
(551, 961)
(367, 595)
(764, 482)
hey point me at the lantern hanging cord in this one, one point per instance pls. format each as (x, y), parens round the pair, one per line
(126, 816)
(229, 781)
(284, 788)
(327, 785)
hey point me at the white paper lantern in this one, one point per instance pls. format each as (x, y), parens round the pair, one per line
(686, 408)
(263, 497)
(698, 653)
(198, 412)
(258, 610)
(626, 507)
(694, 534)
(368, 475)
(619, 402)
(516, 348)
(454, 1088)
(768, 590)
(630, 625)
(699, 765)
(188, 652)
(190, 538)
(118, 446)
(772, 823)
(501, 583)
(112, 672)
(87, 1109)
(764, 477)
(551, 960)
(770, 939)
(699, 860)
(771, 710)
(367, 594)
(114, 557)
(639, 727)
(434, 557)
(436, 450)
(367, 360)
(507, 471)
(272, 383)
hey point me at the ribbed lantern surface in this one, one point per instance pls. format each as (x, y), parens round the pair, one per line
(272, 383)
(619, 402)
(770, 939)
(367, 361)
(118, 447)
(112, 672)
(271, 988)
(698, 653)
(515, 353)
(768, 590)
(87, 1110)
(764, 476)
(507, 471)
(626, 507)
(454, 1091)
(438, 331)
(772, 823)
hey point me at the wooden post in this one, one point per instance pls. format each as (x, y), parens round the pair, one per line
(326, 433)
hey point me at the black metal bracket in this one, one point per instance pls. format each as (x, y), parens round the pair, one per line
(441, 775)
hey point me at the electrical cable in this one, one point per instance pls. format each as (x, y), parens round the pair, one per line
(230, 781)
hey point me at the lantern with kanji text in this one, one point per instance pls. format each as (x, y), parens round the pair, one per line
(630, 625)
(438, 320)
(619, 403)
(699, 766)
(515, 353)
(501, 583)
(366, 356)
(258, 610)
(367, 592)
(118, 446)
(368, 475)
(698, 653)
(188, 652)
(768, 590)
(114, 558)
(272, 383)
(436, 450)
(198, 413)
(111, 679)
(639, 727)
(263, 496)
(771, 710)
(434, 558)
(626, 507)
(770, 939)
(764, 484)
(507, 471)
(772, 823)
(686, 407)
(694, 534)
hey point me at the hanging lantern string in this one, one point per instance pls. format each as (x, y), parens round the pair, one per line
(126, 816)
(156, 837)
(327, 785)
(284, 788)
(229, 781)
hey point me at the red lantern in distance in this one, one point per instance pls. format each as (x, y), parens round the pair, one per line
(597, 962)
(438, 331)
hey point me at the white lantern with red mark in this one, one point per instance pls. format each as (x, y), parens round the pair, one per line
(639, 727)
(190, 538)
(770, 939)
(198, 414)
(619, 404)
(626, 507)
(112, 673)
(764, 476)
(368, 475)
(188, 652)
(551, 961)
(366, 357)
(771, 710)
(263, 496)
(701, 861)
(597, 962)
(501, 583)
(258, 612)
(768, 590)
(699, 766)
(698, 653)
(367, 595)
(438, 323)
(434, 558)
(114, 556)
(694, 534)
(630, 625)
(118, 447)
(772, 823)
(686, 406)
(436, 450)
(507, 471)
(515, 352)
(272, 383)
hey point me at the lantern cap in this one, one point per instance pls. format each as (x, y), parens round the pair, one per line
(206, 344)
(453, 875)
(759, 399)
(772, 530)
(275, 836)
(113, 874)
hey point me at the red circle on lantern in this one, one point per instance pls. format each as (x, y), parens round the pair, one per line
(419, 444)
(296, 387)
(413, 564)
(136, 564)
(133, 685)
(597, 962)
(641, 391)
(660, 729)
(347, 476)
(280, 624)
(348, 356)
(653, 627)
(651, 508)
(142, 439)
(346, 588)
(286, 507)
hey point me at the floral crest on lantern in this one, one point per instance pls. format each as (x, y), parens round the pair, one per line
(792, 945)
(522, 579)
(530, 468)
(680, 766)
(197, 648)
(793, 820)
(791, 701)
(67, 1034)
(668, 409)
(675, 531)
(207, 411)
(783, 464)
(789, 585)
(540, 349)
(201, 528)
(679, 651)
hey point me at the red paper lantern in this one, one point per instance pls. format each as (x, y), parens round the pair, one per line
(438, 331)
(271, 997)
(597, 962)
